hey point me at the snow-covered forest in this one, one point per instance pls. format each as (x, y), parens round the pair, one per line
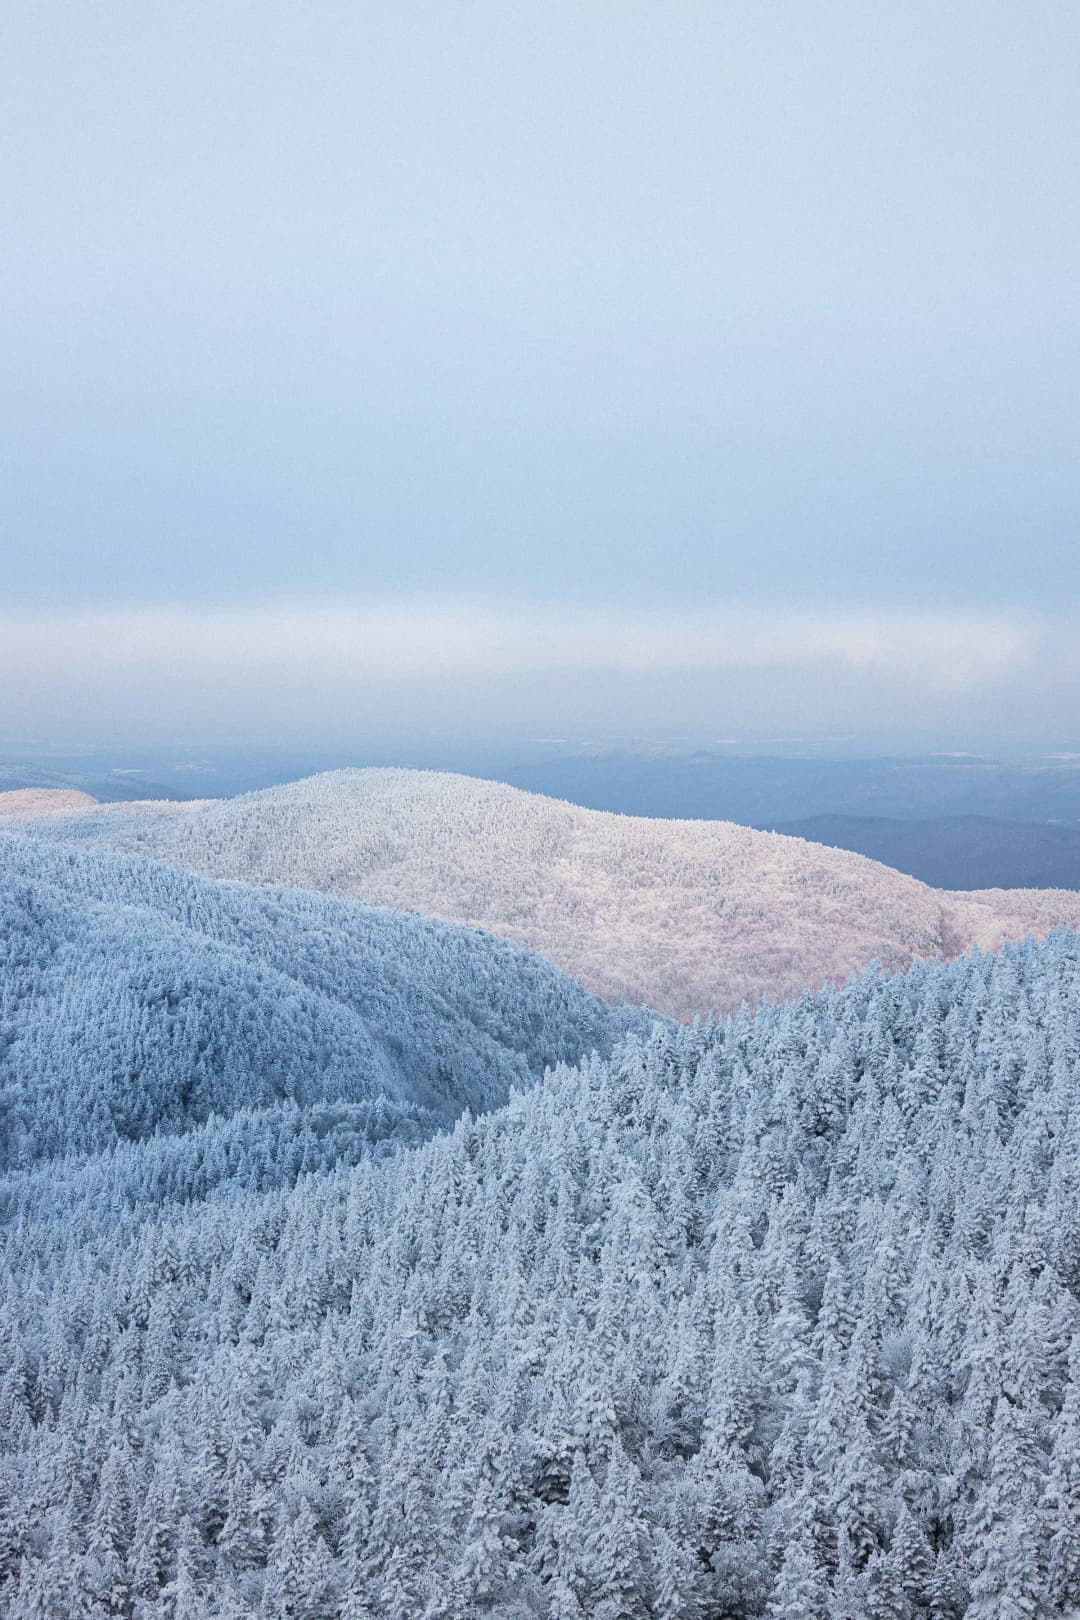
(136, 1000)
(690, 917)
(774, 1318)
(449, 1170)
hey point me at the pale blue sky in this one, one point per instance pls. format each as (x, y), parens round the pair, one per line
(621, 306)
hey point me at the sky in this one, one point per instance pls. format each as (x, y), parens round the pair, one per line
(562, 365)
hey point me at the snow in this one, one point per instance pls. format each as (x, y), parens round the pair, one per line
(689, 917)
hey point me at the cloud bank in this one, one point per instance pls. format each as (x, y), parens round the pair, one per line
(411, 639)
(295, 672)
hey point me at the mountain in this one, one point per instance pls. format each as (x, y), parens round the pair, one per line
(776, 1320)
(29, 804)
(139, 1001)
(735, 782)
(77, 776)
(684, 916)
(956, 852)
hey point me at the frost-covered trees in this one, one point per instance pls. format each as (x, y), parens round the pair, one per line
(778, 1318)
(137, 1001)
(689, 917)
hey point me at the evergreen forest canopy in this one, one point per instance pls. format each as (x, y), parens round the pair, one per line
(138, 1002)
(777, 1318)
(689, 917)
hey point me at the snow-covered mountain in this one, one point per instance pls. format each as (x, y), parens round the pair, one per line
(138, 1000)
(777, 1320)
(28, 804)
(685, 916)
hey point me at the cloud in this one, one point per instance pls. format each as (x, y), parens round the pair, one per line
(407, 640)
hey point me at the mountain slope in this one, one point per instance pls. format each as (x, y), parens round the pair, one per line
(136, 999)
(956, 852)
(777, 1320)
(684, 916)
(28, 804)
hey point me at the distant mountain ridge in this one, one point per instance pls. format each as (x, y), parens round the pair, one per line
(762, 790)
(684, 916)
(100, 783)
(956, 852)
(756, 788)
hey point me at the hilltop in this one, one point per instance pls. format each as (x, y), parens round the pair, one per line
(685, 916)
(29, 804)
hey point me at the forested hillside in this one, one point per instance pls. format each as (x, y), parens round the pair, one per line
(774, 1319)
(135, 1000)
(686, 916)
(27, 804)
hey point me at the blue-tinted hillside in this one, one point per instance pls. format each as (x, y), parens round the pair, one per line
(778, 1320)
(135, 1000)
